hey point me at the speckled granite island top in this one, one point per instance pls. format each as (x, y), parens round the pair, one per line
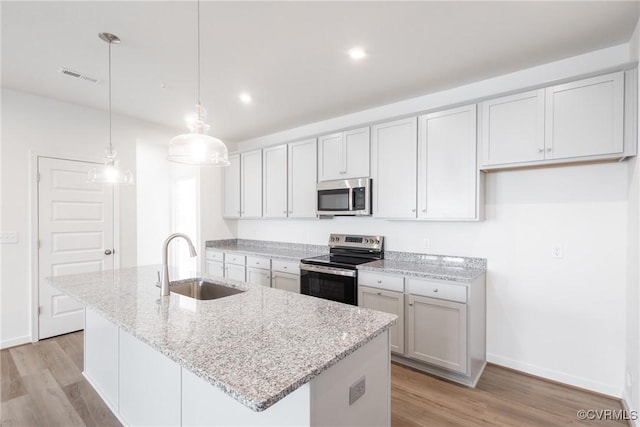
(257, 346)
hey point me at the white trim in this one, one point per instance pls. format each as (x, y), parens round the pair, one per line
(102, 396)
(627, 409)
(13, 342)
(33, 158)
(580, 382)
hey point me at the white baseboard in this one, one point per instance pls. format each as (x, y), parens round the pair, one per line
(15, 342)
(627, 409)
(106, 401)
(562, 377)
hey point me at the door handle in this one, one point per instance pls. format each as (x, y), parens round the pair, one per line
(108, 252)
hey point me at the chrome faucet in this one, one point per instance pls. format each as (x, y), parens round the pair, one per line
(164, 283)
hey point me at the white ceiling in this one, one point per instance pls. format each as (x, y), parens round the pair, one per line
(291, 56)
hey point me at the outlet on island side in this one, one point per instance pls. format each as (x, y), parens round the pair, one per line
(557, 251)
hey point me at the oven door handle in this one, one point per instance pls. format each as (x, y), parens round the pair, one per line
(328, 270)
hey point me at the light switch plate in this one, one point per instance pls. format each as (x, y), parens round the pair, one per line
(356, 391)
(9, 237)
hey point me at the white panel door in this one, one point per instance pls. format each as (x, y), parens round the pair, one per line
(584, 118)
(356, 153)
(251, 183)
(286, 281)
(235, 272)
(388, 302)
(231, 207)
(394, 168)
(215, 268)
(259, 276)
(75, 229)
(447, 164)
(274, 182)
(302, 179)
(513, 128)
(331, 163)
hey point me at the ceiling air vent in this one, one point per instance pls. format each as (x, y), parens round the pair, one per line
(78, 75)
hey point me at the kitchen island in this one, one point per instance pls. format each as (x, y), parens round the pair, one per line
(260, 357)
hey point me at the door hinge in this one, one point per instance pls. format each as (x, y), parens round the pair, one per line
(38, 177)
(39, 244)
(39, 310)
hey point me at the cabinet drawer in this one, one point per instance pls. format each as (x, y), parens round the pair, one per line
(214, 255)
(381, 281)
(259, 262)
(231, 258)
(436, 289)
(285, 266)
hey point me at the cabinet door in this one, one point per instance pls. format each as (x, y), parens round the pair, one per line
(235, 272)
(437, 332)
(251, 182)
(302, 179)
(232, 188)
(394, 168)
(356, 153)
(513, 128)
(274, 182)
(388, 302)
(150, 385)
(286, 281)
(101, 355)
(215, 268)
(447, 164)
(585, 118)
(259, 276)
(330, 157)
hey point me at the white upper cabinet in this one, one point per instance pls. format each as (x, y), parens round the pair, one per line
(231, 196)
(447, 173)
(344, 155)
(302, 179)
(585, 118)
(394, 168)
(574, 121)
(274, 182)
(251, 184)
(513, 128)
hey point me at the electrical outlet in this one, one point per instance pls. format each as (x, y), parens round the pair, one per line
(426, 243)
(9, 237)
(356, 391)
(556, 251)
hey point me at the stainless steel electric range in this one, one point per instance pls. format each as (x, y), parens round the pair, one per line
(335, 276)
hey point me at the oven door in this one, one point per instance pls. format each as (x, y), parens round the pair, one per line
(331, 283)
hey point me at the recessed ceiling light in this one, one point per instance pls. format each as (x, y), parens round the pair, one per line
(357, 53)
(245, 98)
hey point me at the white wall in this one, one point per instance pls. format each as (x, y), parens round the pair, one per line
(35, 124)
(632, 366)
(563, 319)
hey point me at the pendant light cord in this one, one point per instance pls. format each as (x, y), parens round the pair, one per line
(199, 55)
(110, 144)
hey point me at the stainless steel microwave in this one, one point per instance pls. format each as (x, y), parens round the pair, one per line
(344, 197)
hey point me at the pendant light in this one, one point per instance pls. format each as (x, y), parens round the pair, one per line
(110, 172)
(198, 148)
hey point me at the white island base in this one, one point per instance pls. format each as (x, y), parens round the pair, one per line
(143, 387)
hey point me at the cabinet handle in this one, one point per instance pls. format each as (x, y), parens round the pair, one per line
(379, 281)
(285, 267)
(379, 293)
(550, 149)
(410, 304)
(435, 290)
(290, 212)
(540, 150)
(424, 210)
(413, 210)
(284, 212)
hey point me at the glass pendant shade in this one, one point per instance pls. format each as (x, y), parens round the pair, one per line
(198, 148)
(110, 172)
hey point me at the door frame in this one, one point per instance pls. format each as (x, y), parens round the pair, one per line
(34, 259)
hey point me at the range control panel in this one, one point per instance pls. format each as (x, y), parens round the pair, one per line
(356, 242)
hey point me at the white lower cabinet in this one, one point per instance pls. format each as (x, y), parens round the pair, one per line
(437, 332)
(441, 323)
(389, 302)
(101, 356)
(235, 272)
(150, 385)
(215, 268)
(286, 281)
(259, 276)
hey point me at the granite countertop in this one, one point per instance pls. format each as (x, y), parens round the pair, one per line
(439, 267)
(257, 346)
(286, 251)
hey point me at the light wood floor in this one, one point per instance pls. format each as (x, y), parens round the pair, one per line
(42, 385)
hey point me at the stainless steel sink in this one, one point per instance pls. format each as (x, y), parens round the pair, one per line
(201, 289)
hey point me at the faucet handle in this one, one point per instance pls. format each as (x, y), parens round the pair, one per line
(158, 282)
